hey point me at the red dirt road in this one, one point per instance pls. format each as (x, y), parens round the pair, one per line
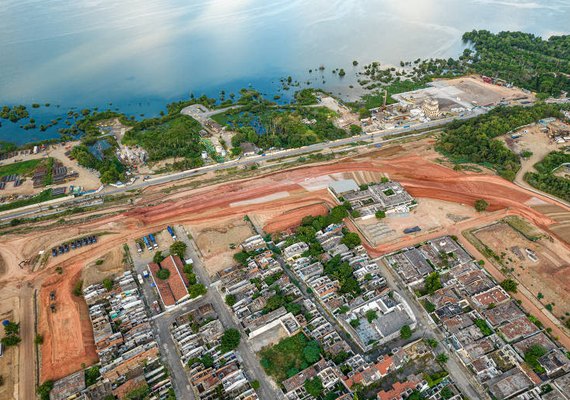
(67, 333)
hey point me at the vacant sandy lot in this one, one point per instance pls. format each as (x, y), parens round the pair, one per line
(430, 215)
(108, 265)
(550, 275)
(215, 240)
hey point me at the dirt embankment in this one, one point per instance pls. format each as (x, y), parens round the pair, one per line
(68, 340)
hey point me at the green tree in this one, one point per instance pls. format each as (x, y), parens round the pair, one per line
(44, 389)
(312, 352)
(406, 332)
(197, 290)
(442, 358)
(532, 355)
(231, 300)
(351, 240)
(314, 387)
(432, 282)
(207, 360)
(431, 342)
(242, 257)
(446, 393)
(355, 130)
(178, 248)
(12, 340)
(380, 214)
(108, 284)
(509, 285)
(230, 340)
(355, 323)
(11, 328)
(481, 205)
(163, 274)
(255, 385)
(91, 375)
(371, 315)
(158, 257)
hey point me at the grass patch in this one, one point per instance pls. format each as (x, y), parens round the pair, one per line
(289, 356)
(22, 168)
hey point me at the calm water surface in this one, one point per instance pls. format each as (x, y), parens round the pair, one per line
(140, 54)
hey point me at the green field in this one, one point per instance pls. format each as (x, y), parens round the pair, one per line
(22, 168)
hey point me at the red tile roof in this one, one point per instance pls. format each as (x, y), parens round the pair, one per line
(398, 389)
(174, 288)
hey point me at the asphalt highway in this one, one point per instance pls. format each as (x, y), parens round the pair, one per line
(377, 137)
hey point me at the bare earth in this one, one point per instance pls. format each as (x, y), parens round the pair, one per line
(68, 341)
(215, 238)
(547, 276)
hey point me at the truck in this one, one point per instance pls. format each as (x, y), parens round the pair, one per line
(153, 240)
(147, 243)
(139, 247)
(412, 230)
(146, 274)
(171, 231)
(140, 278)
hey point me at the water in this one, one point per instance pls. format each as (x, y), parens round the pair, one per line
(140, 54)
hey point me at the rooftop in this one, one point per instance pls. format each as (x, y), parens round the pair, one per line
(174, 288)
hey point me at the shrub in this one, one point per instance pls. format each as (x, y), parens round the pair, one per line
(406, 332)
(442, 358)
(380, 214)
(78, 288)
(39, 339)
(481, 205)
(509, 285)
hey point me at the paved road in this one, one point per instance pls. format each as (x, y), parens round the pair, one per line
(161, 327)
(461, 376)
(342, 333)
(251, 364)
(374, 137)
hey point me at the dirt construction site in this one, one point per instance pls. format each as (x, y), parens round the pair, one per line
(541, 266)
(213, 215)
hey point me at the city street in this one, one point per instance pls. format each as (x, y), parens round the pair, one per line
(458, 372)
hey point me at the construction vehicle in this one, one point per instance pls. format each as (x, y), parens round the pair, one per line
(153, 241)
(147, 243)
(52, 307)
(52, 295)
